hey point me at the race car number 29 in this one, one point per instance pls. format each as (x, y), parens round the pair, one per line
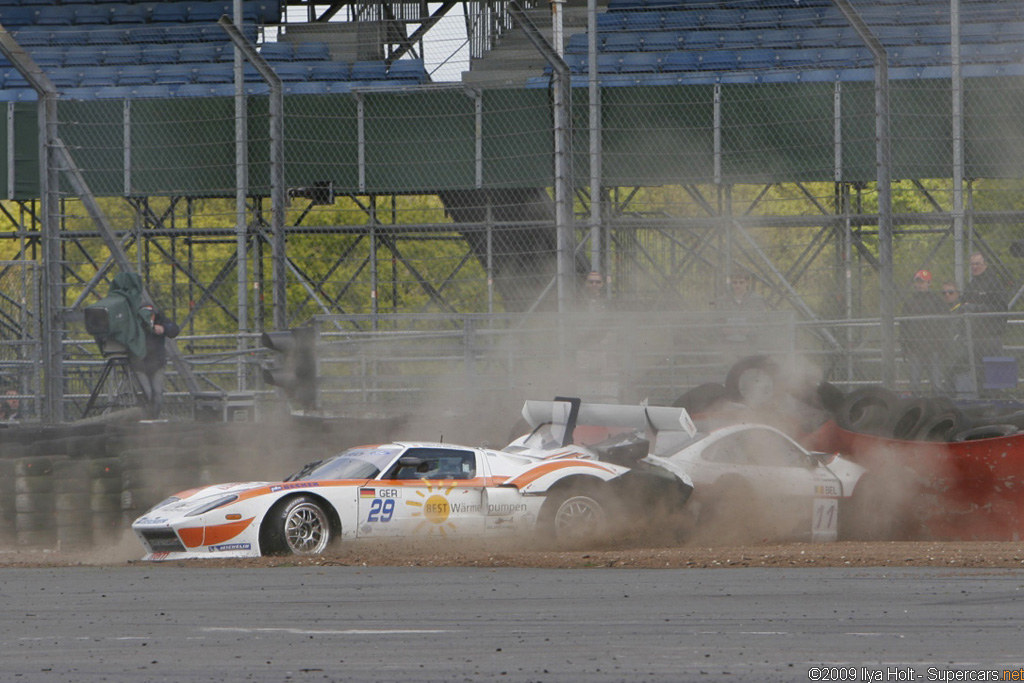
(381, 510)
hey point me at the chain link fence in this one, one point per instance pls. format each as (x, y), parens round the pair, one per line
(721, 143)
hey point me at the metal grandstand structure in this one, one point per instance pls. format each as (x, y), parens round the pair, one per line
(331, 169)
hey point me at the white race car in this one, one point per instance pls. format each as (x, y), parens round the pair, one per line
(406, 489)
(752, 481)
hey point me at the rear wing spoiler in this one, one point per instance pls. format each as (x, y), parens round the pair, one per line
(571, 412)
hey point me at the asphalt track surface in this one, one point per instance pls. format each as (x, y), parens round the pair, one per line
(188, 623)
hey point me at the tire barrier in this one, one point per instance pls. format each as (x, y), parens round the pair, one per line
(7, 510)
(752, 380)
(702, 398)
(991, 431)
(149, 475)
(73, 515)
(105, 499)
(35, 501)
(867, 410)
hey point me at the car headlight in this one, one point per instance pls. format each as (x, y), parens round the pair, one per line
(165, 501)
(211, 504)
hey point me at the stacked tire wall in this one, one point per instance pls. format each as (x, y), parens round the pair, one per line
(71, 488)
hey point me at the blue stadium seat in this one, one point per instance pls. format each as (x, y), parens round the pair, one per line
(721, 19)
(660, 41)
(980, 33)
(92, 14)
(702, 40)
(685, 20)
(801, 17)
(150, 33)
(639, 62)
(818, 75)
(680, 61)
(83, 55)
(759, 58)
(739, 78)
(66, 77)
(577, 43)
(779, 76)
(863, 74)
(621, 42)
(105, 35)
(538, 82)
(76, 94)
(718, 60)
(199, 53)
(798, 57)
(818, 37)
(781, 38)
(16, 17)
(129, 13)
(643, 21)
(160, 54)
(98, 76)
(175, 74)
(29, 36)
(369, 71)
(14, 79)
(1001, 53)
(740, 38)
(48, 57)
(330, 71)
(313, 51)
(277, 52)
(69, 35)
(136, 74)
(215, 73)
(292, 71)
(339, 87)
(846, 57)
(54, 15)
(154, 91)
(610, 21)
(762, 18)
(169, 12)
(306, 88)
(608, 63)
(933, 34)
(198, 89)
(208, 11)
(122, 54)
(983, 70)
(257, 88)
(408, 70)
(577, 63)
(918, 55)
(618, 80)
(113, 92)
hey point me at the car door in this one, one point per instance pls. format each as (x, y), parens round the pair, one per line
(784, 477)
(428, 491)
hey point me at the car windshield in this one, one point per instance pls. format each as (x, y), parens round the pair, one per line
(355, 463)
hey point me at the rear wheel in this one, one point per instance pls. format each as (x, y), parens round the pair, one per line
(300, 526)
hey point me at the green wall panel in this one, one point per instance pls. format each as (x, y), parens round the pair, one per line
(183, 147)
(518, 142)
(96, 142)
(419, 141)
(657, 136)
(26, 151)
(994, 127)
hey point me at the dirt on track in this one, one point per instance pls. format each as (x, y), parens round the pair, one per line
(441, 553)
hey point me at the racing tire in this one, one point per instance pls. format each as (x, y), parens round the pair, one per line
(908, 418)
(576, 515)
(941, 427)
(296, 526)
(993, 431)
(867, 410)
(752, 380)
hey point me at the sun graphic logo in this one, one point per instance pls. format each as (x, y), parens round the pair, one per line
(434, 509)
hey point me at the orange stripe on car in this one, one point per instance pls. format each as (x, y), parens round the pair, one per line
(195, 536)
(538, 472)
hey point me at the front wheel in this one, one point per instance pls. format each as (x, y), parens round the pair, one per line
(299, 527)
(575, 517)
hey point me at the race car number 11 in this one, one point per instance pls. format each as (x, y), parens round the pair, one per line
(823, 523)
(381, 510)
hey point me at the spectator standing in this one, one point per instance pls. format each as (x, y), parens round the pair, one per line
(984, 293)
(924, 339)
(958, 367)
(10, 409)
(150, 368)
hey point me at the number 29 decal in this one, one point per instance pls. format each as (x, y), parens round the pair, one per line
(381, 510)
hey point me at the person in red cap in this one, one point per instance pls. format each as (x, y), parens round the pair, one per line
(151, 367)
(923, 336)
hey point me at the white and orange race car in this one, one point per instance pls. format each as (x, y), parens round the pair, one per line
(408, 489)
